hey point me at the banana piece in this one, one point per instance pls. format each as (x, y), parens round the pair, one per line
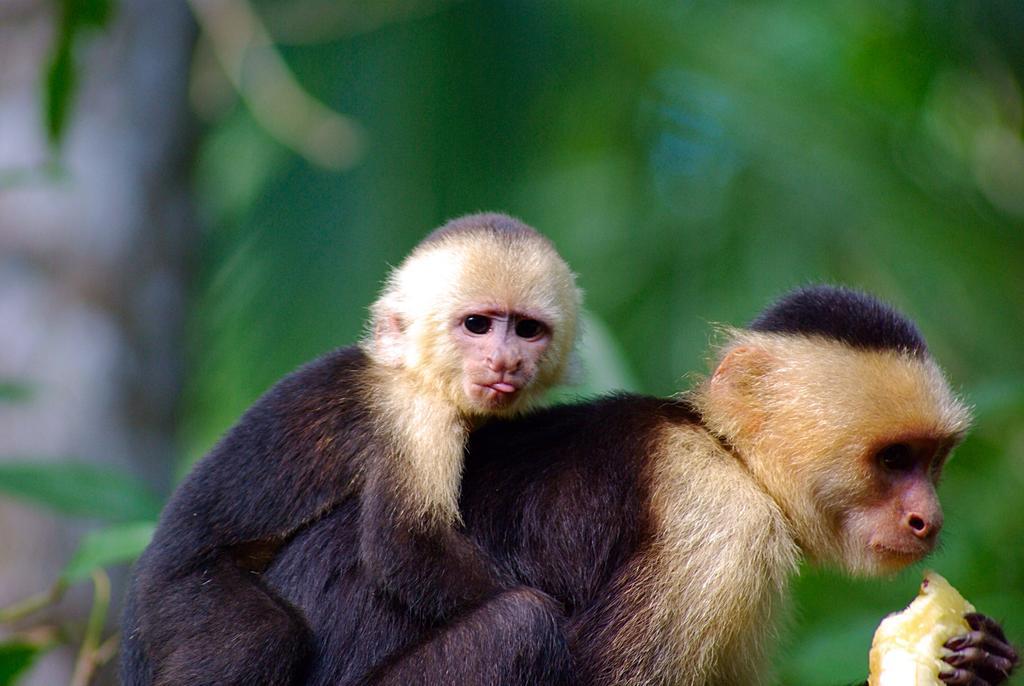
(908, 646)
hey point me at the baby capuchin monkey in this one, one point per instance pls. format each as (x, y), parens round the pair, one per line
(477, 322)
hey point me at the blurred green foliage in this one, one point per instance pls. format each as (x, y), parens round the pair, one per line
(14, 392)
(78, 489)
(692, 160)
(15, 659)
(112, 545)
(81, 490)
(75, 17)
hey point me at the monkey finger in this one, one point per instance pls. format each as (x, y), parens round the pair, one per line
(962, 677)
(980, 622)
(987, 641)
(988, 665)
(996, 641)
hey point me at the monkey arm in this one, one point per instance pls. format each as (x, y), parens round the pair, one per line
(198, 588)
(516, 637)
(692, 606)
(363, 636)
(286, 462)
(425, 564)
(219, 624)
(639, 631)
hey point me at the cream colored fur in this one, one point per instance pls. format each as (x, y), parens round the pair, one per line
(429, 436)
(702, 601)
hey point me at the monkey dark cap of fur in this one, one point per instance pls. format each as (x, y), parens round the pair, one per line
(845, 315)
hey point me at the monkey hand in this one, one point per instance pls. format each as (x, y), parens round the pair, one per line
(981, 657)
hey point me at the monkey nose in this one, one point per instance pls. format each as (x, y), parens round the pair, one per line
(923, 527)
(500, 366)
(503, 362)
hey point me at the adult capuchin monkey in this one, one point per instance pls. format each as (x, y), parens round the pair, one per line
(477, 322)
(668, 529)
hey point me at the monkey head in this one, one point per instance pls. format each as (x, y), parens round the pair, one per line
(483, 312)
(834, 403)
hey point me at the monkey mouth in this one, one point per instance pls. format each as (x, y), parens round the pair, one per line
(497, 393)
(905, 554)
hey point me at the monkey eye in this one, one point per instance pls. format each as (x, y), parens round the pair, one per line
(477, 323)
(898, 457)
(529, 328)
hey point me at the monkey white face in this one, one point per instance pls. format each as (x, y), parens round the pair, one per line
(501, 352)
(483, 321)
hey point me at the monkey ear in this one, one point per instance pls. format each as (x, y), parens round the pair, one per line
(389, 339)
(736, 387)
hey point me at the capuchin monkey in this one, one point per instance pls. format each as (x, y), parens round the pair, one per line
(654, 539)
(476, 323)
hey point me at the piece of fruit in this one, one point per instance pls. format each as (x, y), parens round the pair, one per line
(908, 646)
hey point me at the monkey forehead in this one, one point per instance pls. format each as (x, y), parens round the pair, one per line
(862, 394)
(516, 273)
(498, 225)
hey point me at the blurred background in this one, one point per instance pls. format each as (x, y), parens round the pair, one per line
(196, 198)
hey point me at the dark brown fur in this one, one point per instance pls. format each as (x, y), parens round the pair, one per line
(301, 457)
(559, 502)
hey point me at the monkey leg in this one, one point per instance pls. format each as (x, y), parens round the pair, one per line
(514, 639)
(222, 626)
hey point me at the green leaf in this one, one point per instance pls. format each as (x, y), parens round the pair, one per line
(89, 13)
(15, 658)
(79, 489)
(61, 75)
(12, 391)
(60, 84)
(105, 547)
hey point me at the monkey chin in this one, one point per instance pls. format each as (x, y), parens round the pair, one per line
(871, 557)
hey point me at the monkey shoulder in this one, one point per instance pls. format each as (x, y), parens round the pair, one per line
(294, 454)
(616, 428)
(566, 483)
(686, 480)
(696, 484)
(597, 481)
